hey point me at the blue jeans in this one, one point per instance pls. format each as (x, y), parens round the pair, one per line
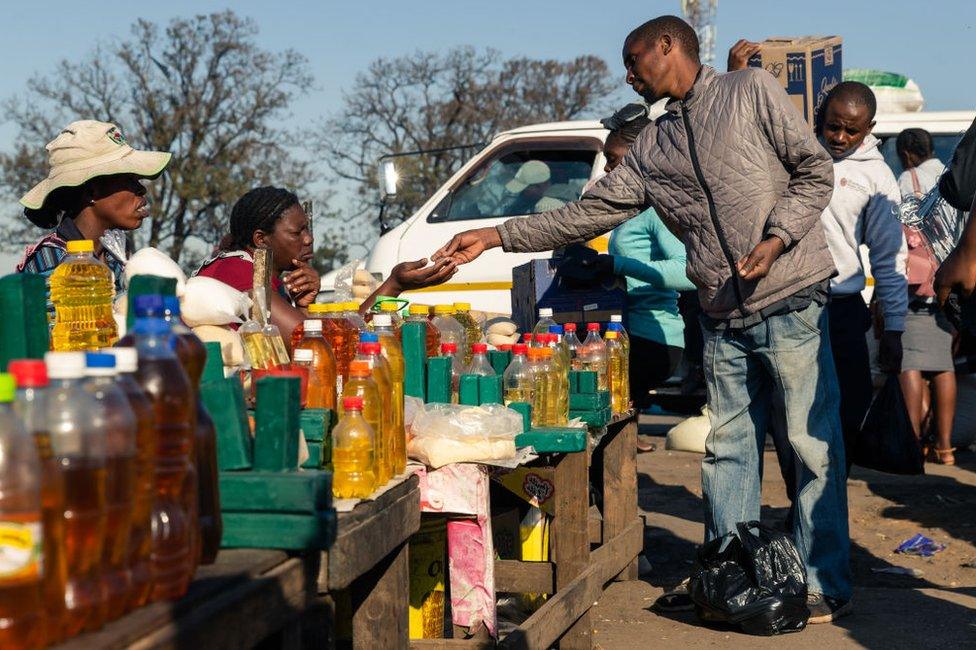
(779, 373)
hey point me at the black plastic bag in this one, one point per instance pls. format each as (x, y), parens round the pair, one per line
(958, 185)
(886, 441)
(754, 580)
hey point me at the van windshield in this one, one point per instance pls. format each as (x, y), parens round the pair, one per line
(519, 179)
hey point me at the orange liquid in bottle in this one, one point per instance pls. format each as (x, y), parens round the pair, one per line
(362, 384)
(52, 513)
(119, 489)
(84, 534)
(22, 621)
(322, 371)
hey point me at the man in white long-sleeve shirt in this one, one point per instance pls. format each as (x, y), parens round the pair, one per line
(863, 211)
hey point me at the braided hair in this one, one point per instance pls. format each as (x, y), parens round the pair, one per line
(258, 209)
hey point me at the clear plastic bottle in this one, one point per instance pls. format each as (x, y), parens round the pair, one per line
(370, 351)
(341, 337)
(457, 368)
(82, 290)
(118, 422)
(31, 406)
(556, 398)
(353, 451)
(350, 311)
(140, 530)
(557, 340)
(472, 330)
(615, 372)
(168, 387)
(393, 353)
(617, 326)
(545, 320)
(541, 387)
(392, 309)
(479, 364)
(573, 346)
(322, 371)
(362, 384)
(450, 330)
(79, 447)
(529, 339)
(257, 346)
(273, 334)
(21, 531)
(417, 313)
(517, 378)
(594, 355)
(560, 369)
(316, 310)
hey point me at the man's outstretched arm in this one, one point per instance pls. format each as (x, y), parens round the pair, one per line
(615, 198)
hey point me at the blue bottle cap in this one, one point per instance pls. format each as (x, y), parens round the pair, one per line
(148, 305)
(615, 327)
(151, 326)
(369, 337)
(99, 360)
(172, 305)
(555, 329)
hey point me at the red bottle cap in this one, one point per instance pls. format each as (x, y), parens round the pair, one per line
(479, 348)
(354, 403)
(569, 327)
(28, 373)
(371, 348)
(527, 337)
(505, 347)
(592, 327)
(520, 348)
(448, 348)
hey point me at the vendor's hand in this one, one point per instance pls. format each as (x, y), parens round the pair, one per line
(756, 265)
(303, 283)
(417, 275)
(740, 52)
(467, 246)
(957, 273)
(889, 352)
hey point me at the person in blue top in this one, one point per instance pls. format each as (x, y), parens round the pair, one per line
(652, 260)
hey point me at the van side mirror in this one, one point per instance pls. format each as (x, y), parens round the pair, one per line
(388, 178)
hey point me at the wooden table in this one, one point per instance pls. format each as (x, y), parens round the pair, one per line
(252, 596)
(588, 547)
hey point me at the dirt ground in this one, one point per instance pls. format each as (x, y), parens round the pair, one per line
(934, 609)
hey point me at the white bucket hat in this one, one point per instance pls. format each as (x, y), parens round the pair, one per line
(86, 149)
(531, 172)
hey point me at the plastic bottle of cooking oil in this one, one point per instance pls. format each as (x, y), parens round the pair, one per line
(257, 346)
(517, 378)
(594, 355)
(557, 405)
(615, 372)
(118, 422)
(557, 341)
(529, 339)
(273, 334)
(457, 368)
(79, 448)
(322, 371)
(31, 406)
(545, 320)
(624, 339)
(21, 531)
(541, 394)
(315, 310)
(362, 384)
(82, 290)
(479, 364)
(560, 368)
(140, 530)
(393, 310)
(573, 346)
(350, 311)
(472, 330)
(370, 351)
(393, 353)
(338, 333)
(417, 313)
(450, 329)
(353, 448)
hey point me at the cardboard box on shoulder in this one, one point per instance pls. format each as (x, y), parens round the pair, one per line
(806, 66)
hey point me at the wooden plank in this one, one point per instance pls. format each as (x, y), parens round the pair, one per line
(620, 483)
(594, 525)
(452, 644)
(516, 577)
(572, 602)
(570, 542)
(381, 603)
(370, 532)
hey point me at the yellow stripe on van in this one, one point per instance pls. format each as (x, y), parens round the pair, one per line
(601, 244)
(466, 286)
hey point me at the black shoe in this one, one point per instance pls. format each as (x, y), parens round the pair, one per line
(824, 609)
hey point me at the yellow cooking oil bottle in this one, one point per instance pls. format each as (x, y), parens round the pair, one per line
(616, 325)
(594, 355)
(560, 376)
(354, 444)
(370, 352)
(82, 290)
(616, 374)
(517, 378)
(392, 351)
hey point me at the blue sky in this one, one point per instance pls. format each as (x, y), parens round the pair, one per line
(931, 42)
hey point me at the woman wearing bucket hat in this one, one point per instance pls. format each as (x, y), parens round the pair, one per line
(93, 190)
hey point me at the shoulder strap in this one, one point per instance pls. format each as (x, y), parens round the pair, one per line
(916, 186)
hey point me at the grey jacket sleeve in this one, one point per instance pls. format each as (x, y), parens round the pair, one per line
(615, 198)
(811, 171)
(887, 252)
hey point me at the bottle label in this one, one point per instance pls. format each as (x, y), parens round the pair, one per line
(20, 549)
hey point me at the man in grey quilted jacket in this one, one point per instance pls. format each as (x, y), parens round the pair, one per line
(738, 176)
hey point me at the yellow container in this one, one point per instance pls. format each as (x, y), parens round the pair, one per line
(428, 550)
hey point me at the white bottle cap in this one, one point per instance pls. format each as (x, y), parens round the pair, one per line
(382, 320)
(126, 359)
(65, 365)
(616, 318)
(545, 312)
(302, 354)
(312, 325)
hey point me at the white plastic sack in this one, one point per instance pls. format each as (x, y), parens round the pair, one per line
(152, 261)
(207, 301)
(452, 433)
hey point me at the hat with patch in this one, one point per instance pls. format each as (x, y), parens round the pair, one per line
(86, 149)
(532, 172)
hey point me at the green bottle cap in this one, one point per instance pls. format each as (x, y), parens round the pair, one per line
(8, 388)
